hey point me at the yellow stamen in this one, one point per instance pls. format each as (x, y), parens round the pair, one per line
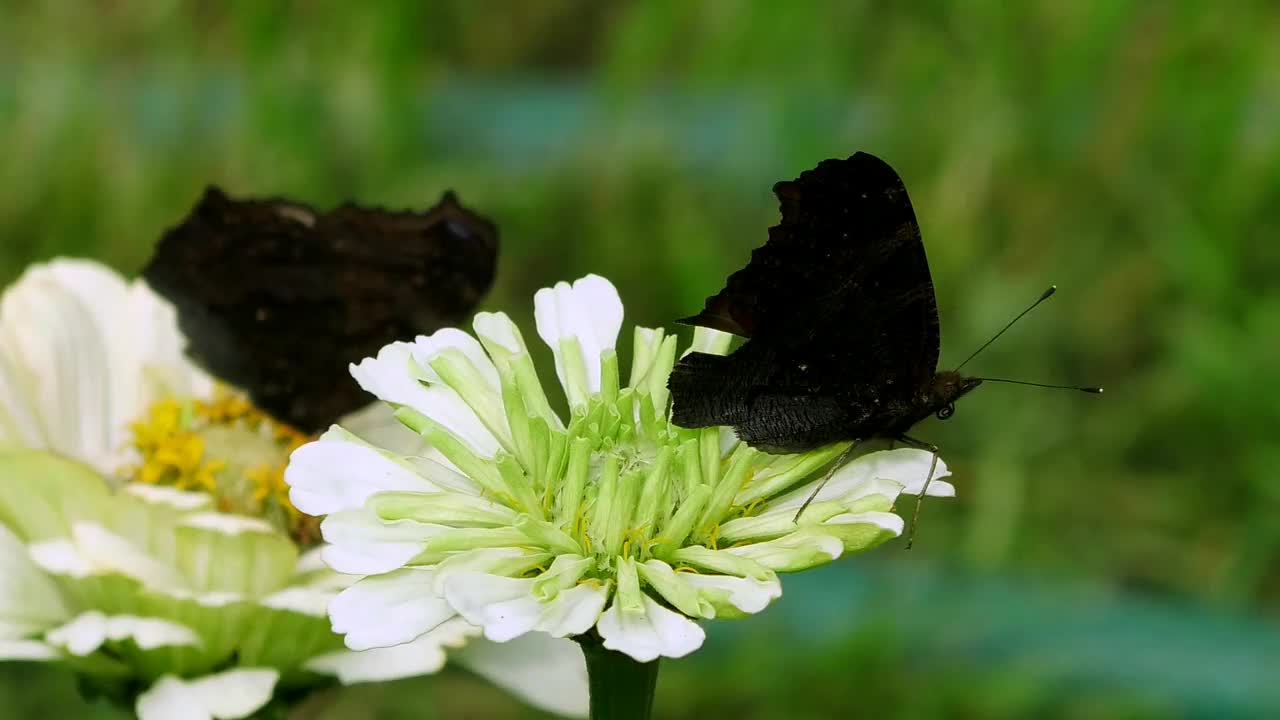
(173, 440)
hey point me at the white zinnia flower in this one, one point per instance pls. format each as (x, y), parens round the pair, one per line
(145, 531)
(611, 522)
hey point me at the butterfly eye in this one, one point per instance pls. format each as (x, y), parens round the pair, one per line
(946, 411)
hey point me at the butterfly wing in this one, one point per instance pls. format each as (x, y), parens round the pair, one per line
(839, 308)
(278, 299)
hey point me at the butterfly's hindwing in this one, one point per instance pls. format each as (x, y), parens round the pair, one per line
(839, 310)
(279, 299)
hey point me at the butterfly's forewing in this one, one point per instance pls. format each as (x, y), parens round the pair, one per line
(840, 311)
(278, 299)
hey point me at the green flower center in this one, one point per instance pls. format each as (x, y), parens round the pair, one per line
(227, 448)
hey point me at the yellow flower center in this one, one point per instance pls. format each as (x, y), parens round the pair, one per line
(227, 448)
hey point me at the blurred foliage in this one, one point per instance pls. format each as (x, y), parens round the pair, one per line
(1127, 151)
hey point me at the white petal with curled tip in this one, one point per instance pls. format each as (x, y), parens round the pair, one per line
(89, 631)
(422, 656)
(905, 466)
(590, 311)
(362, 544)
(498, 329)
(547, 672)
(338, 472)
(29, 600)
(506, 608)
(226, 696)
(937, 488)
(394, 376)
(796, 551)
(427, 347)
(745, 594)
(886, 521)
(649, 634)
(387, 610)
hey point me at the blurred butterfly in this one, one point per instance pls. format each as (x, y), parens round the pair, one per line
(278, 299)
(841, 319)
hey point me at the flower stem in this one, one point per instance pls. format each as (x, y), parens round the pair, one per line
(621, 688)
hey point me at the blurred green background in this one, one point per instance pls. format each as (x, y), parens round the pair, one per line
(1107, 557)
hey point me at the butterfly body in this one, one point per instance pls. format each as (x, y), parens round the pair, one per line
(840, 318)
(278, 298)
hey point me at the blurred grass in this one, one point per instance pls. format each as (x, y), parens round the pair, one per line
(1126, 151)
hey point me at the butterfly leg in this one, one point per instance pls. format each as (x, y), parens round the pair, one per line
(933, 465)
(839, 463)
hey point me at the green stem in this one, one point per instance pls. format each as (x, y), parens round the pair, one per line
(621, 688)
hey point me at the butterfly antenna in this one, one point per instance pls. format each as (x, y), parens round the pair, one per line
(1081, 388)
(839, 463)
(915, 517)
(1045, 296)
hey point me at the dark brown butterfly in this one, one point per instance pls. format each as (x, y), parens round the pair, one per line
(842, 324)
(278, 299)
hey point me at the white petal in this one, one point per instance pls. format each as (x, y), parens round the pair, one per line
(154, 343)
(503, 606)
(427, 347)
(937, 488)
(905, 467)
(392, 376)
(746, 594)
(548, 673)
(302, 600)
(27, 650)
(885, 520)
(227, 524)
(573, 611)
(498, 329)
(108, 552)
(19, 425)
(652, 633)
(506, 607)
(590, 311)
(61, 557)
(204, 599)
(337, 472)
(474, 380)
(505, 561)
(395, 377)
(89, 631)
(362, 544)
(82, 353)
(95, 550)
(386, 610)
(447, 408)
(799, 550)
(169, 496)
(232, 694)
(56, 347)
(422, 656)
